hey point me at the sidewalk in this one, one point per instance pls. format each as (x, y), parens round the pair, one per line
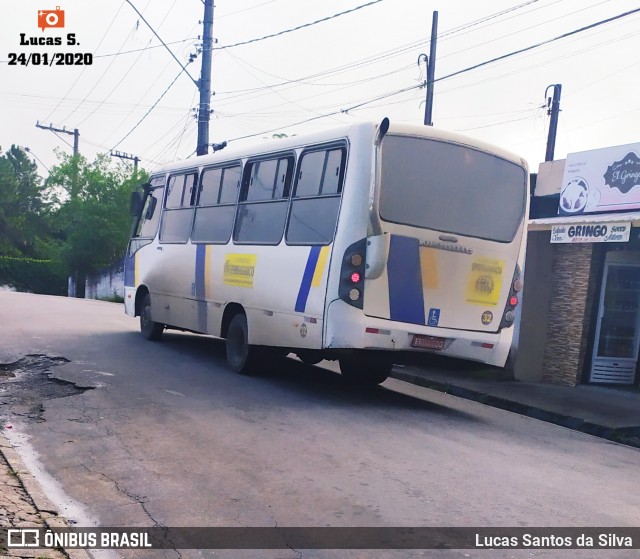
(606, 411)
(24, 505)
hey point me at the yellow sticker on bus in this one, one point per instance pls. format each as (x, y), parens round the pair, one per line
(485, 281)
(239, 269)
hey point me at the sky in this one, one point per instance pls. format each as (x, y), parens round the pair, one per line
(335, 68)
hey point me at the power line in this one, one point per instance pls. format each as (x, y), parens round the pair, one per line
(164, 44)
(304, 25)
(143, 49)
(149, 111)
(457, 73)
(542, 43)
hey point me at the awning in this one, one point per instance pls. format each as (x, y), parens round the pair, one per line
(546, 223)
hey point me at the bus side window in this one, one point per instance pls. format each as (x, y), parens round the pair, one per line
(216, 205)
(263, 201)
(178, 213)
(316, 198)
(150, 216)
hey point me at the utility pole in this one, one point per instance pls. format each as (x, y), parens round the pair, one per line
(431, 70)
(72, 290)
(553, 109)
(204, 84)
(133, 158)
(76, 142)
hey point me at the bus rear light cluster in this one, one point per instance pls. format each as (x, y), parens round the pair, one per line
(512, 302)
(351, 289)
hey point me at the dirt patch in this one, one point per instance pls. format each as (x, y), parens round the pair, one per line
(26, 384)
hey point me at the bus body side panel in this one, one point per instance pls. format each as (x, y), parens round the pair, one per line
(281, 289)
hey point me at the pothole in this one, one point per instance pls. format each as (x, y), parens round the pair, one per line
(26, 384)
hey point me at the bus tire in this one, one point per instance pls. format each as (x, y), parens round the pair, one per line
(365, 372)
(242, 357)
(150, 330)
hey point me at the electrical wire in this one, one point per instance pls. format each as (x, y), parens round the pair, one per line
(148, 112)
(453, 74)
(297, 28)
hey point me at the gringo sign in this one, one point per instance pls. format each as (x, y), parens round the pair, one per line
(591, 233)
(601, 180)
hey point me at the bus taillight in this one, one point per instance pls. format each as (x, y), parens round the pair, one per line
(351, 289)
(512, 302)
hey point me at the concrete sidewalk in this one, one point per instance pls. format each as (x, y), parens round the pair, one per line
(605, 411)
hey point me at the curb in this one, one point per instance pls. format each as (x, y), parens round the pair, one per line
(46, 509)
(628, 436)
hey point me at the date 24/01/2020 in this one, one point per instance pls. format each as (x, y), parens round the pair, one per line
(48, 59)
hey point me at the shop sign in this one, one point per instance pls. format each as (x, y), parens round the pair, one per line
(591, 233)
(601, 180)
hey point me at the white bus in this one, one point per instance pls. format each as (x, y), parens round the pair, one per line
(358, 244)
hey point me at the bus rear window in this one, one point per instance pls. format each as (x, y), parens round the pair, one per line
(450, 188)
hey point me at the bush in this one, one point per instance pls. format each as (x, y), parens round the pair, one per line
(37, 276)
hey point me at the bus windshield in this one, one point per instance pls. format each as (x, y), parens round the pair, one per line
(450, 188)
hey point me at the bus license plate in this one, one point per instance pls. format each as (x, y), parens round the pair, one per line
(427, 342)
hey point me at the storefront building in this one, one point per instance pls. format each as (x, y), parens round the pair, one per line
(580, 320)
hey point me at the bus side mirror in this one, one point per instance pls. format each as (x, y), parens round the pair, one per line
(135, 203)
(153, 202)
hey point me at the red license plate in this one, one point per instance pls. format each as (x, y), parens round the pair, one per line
(427, 342)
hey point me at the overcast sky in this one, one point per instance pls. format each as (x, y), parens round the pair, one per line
(337, 67)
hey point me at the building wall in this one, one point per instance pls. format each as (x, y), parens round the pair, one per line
(573, 288)
(107, 284)
(536, 297)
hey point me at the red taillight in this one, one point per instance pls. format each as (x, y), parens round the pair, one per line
(355, 277)
(513, 301)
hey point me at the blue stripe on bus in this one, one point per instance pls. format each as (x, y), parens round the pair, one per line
(130, 270)
(406, 298)
(307, 277)
(201, 251)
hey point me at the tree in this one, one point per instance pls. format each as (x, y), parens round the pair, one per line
(92, 218)
(23, 205)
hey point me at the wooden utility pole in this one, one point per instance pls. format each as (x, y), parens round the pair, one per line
(431, 70)
(133, 158)
(553, 109)
(76, 142)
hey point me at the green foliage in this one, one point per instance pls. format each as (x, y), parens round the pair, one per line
(37, 276)
(92, 219)
(23, 210)
(78, 217)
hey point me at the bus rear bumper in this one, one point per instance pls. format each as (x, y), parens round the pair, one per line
(348, 328)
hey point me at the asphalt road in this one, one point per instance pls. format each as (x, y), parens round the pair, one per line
(169, 436)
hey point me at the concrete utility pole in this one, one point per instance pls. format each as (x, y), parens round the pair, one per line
(76, 142)
(431, 70)
(133, 158)
(553, 109)
(204, 85)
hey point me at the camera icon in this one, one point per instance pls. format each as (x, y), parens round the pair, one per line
(51, 18)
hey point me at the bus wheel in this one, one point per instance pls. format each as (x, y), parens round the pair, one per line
(150, 330)
(242, 357)
(365, 372)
